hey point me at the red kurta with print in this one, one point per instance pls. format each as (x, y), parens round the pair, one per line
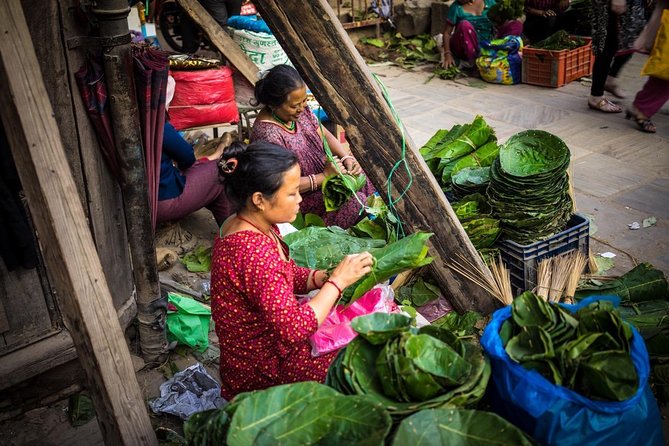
(262, 329)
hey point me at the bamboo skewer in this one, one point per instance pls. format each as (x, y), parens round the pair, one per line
(559, 273)
(544, 278)
(500, 289)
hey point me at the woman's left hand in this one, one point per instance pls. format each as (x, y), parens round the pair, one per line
(352, 166)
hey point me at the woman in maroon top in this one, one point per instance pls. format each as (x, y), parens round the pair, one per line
(285, 120)
(262, 329)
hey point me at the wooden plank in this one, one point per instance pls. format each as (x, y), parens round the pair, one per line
(337, 75)
(70, 255)
(221, 40)
(105, 202)
(44, 27)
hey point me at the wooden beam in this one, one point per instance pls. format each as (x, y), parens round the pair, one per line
(69, 252)
(343, 84)
(220, 38)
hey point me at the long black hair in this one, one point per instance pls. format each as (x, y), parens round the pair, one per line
(257, 167)
(273, 89)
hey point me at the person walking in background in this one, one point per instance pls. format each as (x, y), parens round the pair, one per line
(615, 26)
(655, 92)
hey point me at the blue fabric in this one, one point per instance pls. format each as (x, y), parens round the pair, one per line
(555, 415)
(500, 61)
(176, 150)
(249, 22)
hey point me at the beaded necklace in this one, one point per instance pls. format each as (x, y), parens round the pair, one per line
(290, 127)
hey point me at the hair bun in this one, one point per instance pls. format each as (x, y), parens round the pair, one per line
(228, 162)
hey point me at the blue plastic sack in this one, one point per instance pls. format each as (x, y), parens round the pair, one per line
(556, 415)
(249, 23)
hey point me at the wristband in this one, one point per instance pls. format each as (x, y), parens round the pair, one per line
(347, 157)
(312, 182)
(331, 282)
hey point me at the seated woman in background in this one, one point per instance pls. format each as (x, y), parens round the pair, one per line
(186, 184)
(285, 120)
(467, 25)
(545, 17)
(262, 328)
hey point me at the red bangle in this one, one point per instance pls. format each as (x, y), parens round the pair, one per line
(331, 282)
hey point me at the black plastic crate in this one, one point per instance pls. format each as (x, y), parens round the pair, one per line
(522, 260)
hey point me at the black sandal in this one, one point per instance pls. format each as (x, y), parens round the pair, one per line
(645, 125)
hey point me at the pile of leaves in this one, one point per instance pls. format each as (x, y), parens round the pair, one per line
(470, 180)
(406, 53)
(337, 189)
(466, 324)
(505, 10)
(324, 248)
(407, 369)
(644, 303)
(475, 215)
(451, 72)
(419, 293)
(529, 186)
(311, 413)
(450, 151)
(300, 413)
(198, 260)
(558, 41)
(587, 351)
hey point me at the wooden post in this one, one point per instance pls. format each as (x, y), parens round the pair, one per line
(65, 237)
(220, 38)
(322, 52)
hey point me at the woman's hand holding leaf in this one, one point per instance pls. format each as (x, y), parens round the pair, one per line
(352, 166)
(332, 170)
(351, 269)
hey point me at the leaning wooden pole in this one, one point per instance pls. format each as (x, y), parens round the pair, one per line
(317, 44)
(112, 16)
(65, 238)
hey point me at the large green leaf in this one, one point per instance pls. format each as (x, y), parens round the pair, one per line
(355, 420)
(378, 328)
(608, 375)
(528, 309)
(261, 408)
(407, 253)
(642, 283)
(323, 248)
(458, 427)
(531, 344)
(533, 152)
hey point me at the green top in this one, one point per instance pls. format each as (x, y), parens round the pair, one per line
(482, 24)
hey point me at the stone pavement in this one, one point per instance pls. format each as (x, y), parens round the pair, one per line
(620, 173)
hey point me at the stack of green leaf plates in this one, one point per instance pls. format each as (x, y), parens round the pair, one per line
(529, 186)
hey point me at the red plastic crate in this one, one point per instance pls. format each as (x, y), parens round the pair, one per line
(548, 68)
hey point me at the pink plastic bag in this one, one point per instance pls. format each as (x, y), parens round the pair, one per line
(335, 332)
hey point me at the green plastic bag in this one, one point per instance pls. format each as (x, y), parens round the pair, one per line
(188, 325)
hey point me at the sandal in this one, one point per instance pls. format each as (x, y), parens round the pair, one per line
(606, 106)
(644, 124)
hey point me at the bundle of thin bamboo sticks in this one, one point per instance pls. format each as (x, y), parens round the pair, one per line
(500, 284)
(558, 276)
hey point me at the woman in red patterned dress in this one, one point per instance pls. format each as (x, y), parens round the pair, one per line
(262, 329)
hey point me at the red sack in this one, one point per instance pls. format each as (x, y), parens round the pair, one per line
(203, 97)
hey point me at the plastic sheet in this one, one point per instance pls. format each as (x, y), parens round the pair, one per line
(556, 415)
(335, 332)
(202, 98)
(187, 392)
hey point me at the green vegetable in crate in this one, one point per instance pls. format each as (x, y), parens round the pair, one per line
(416, 369)
(588, 351)
(558, 41)
(337, 189)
